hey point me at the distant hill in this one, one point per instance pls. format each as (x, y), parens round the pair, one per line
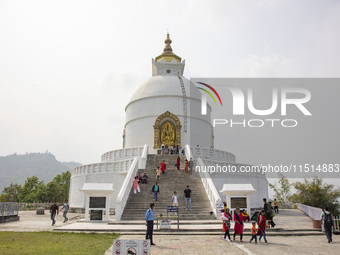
(16, 168)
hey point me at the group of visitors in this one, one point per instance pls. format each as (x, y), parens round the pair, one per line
(241, 216)
(269, 211)
(165, 149)
(54, 210)
(172, 150)
(139, 179)
(186, 164)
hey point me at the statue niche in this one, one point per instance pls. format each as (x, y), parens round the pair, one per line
(168, 134)
(167, 130)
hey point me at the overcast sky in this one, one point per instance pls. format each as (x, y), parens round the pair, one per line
(68, 68)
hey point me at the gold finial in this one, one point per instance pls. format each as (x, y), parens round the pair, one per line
(168, 41)
(167, 54)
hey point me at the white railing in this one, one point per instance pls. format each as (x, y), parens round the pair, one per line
(187, 151)
(209, 186)
(313, 212)
(144, 157)
(121, 166)
(122, 154)
(203, 152)
(124, 192)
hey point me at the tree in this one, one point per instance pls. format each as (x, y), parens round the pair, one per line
(63, 180)
(53, 192)
(33, 190)
(283, 192)
(318, 194)
(11, 193)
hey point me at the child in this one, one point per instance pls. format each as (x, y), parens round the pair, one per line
(253, 232)
(158, 173)
(226, 217)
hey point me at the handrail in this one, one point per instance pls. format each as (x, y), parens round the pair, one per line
(188, 154)
(210, 189)
(313, 212)
(123, 195)
(124, 190)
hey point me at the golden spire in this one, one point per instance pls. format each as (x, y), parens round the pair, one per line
(167, 54)
(167, 41)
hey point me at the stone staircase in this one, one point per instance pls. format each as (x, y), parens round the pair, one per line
(172, 180)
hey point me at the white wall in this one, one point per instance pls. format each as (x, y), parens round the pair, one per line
(77, 198)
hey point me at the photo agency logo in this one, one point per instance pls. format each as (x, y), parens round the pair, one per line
(204, 97)
(243, 106)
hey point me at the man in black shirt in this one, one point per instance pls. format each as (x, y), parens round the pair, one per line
(54, 210)
(187, 197)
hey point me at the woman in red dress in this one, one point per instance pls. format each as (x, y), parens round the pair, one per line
(261, 222)
(238, 227)
(178, 162)
(163, 167)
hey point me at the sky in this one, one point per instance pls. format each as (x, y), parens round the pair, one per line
(69, 68)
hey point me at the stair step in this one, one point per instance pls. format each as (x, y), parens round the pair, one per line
(172, 180)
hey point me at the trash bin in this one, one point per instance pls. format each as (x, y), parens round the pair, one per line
(295, 207)
(96, 215)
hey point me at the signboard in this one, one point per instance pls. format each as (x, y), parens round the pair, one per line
(96, 215)
(131, 247)
(172, 209)
(219, 207)
(165, 224)
(97, 202)
(238, 202)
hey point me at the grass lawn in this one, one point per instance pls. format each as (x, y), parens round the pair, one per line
(54, 243)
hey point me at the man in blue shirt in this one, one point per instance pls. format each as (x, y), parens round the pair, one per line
(149, 223)
(65, 207)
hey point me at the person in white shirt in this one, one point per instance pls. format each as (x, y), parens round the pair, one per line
(175, 199)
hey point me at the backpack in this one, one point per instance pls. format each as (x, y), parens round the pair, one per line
(328, 222)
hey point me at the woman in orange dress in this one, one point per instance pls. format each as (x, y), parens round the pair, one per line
(186, 166)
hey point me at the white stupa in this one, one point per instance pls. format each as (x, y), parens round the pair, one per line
(167, 97)
(165, 109)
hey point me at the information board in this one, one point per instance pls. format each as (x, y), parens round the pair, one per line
(172, 209)
(238, 202)
(165, 224)
(219, 207)
(97, 202)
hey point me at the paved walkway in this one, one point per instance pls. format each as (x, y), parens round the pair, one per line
(290, 220)
(216, 245)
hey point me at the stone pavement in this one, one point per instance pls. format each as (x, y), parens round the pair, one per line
(206, 243)
(31, 222)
